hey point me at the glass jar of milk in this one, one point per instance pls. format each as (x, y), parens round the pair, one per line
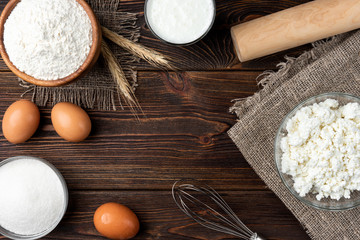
(180, 22)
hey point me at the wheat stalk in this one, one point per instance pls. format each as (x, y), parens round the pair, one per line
(153, 57)
(118, 75)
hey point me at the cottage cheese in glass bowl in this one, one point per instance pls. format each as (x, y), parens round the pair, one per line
(317, 151)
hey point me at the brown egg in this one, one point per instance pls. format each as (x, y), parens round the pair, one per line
(116, 221)
(20, 121)
(70, 121)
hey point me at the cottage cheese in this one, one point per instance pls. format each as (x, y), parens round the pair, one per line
(322, 149)
(48, 39)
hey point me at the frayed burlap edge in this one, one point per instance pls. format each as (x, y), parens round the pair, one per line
(88, 97)
(270, 80)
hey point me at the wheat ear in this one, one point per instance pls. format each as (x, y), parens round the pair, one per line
(118, 75)
(153, 57)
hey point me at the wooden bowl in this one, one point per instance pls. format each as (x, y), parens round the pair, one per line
(89, 61)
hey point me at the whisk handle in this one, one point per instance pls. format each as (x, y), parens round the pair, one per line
(256, 236)
(260, 238)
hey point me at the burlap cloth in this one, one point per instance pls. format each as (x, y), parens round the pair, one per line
(333, 66)
(96, 89)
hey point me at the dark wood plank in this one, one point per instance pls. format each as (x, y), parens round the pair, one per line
(161, 219)
(183, 134)
(215, 51)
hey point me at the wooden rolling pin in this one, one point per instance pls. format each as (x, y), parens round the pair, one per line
(295, 26)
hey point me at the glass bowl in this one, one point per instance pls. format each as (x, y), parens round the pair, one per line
(16, 236)
(310, 199)
(178, 44)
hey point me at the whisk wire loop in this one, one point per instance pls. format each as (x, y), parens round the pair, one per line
(201, 220)
(225, 221)
(221, 202)
(212, 211)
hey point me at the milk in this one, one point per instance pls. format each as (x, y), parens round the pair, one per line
(180, 21)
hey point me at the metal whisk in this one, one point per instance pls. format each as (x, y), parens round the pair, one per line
(199, 201)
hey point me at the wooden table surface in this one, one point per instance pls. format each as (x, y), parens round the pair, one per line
(183, 135)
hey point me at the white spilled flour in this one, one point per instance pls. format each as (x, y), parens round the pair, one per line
(48, 39)
(180, 21)
(322, 150)
(32, 197)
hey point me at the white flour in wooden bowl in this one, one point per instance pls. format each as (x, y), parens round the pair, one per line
(48, 39)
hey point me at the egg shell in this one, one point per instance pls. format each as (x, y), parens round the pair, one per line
(116, 221)
(70, 121)
(20, 121)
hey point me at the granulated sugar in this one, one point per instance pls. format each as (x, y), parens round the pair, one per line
(32, 196)
(48, 39)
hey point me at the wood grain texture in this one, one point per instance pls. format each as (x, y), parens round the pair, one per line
(182, 134)
(294, 27)
(215, 51)
(161, 219)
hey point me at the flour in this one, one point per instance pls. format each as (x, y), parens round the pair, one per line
(322, 149)
(32, 197)
(48, 39)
